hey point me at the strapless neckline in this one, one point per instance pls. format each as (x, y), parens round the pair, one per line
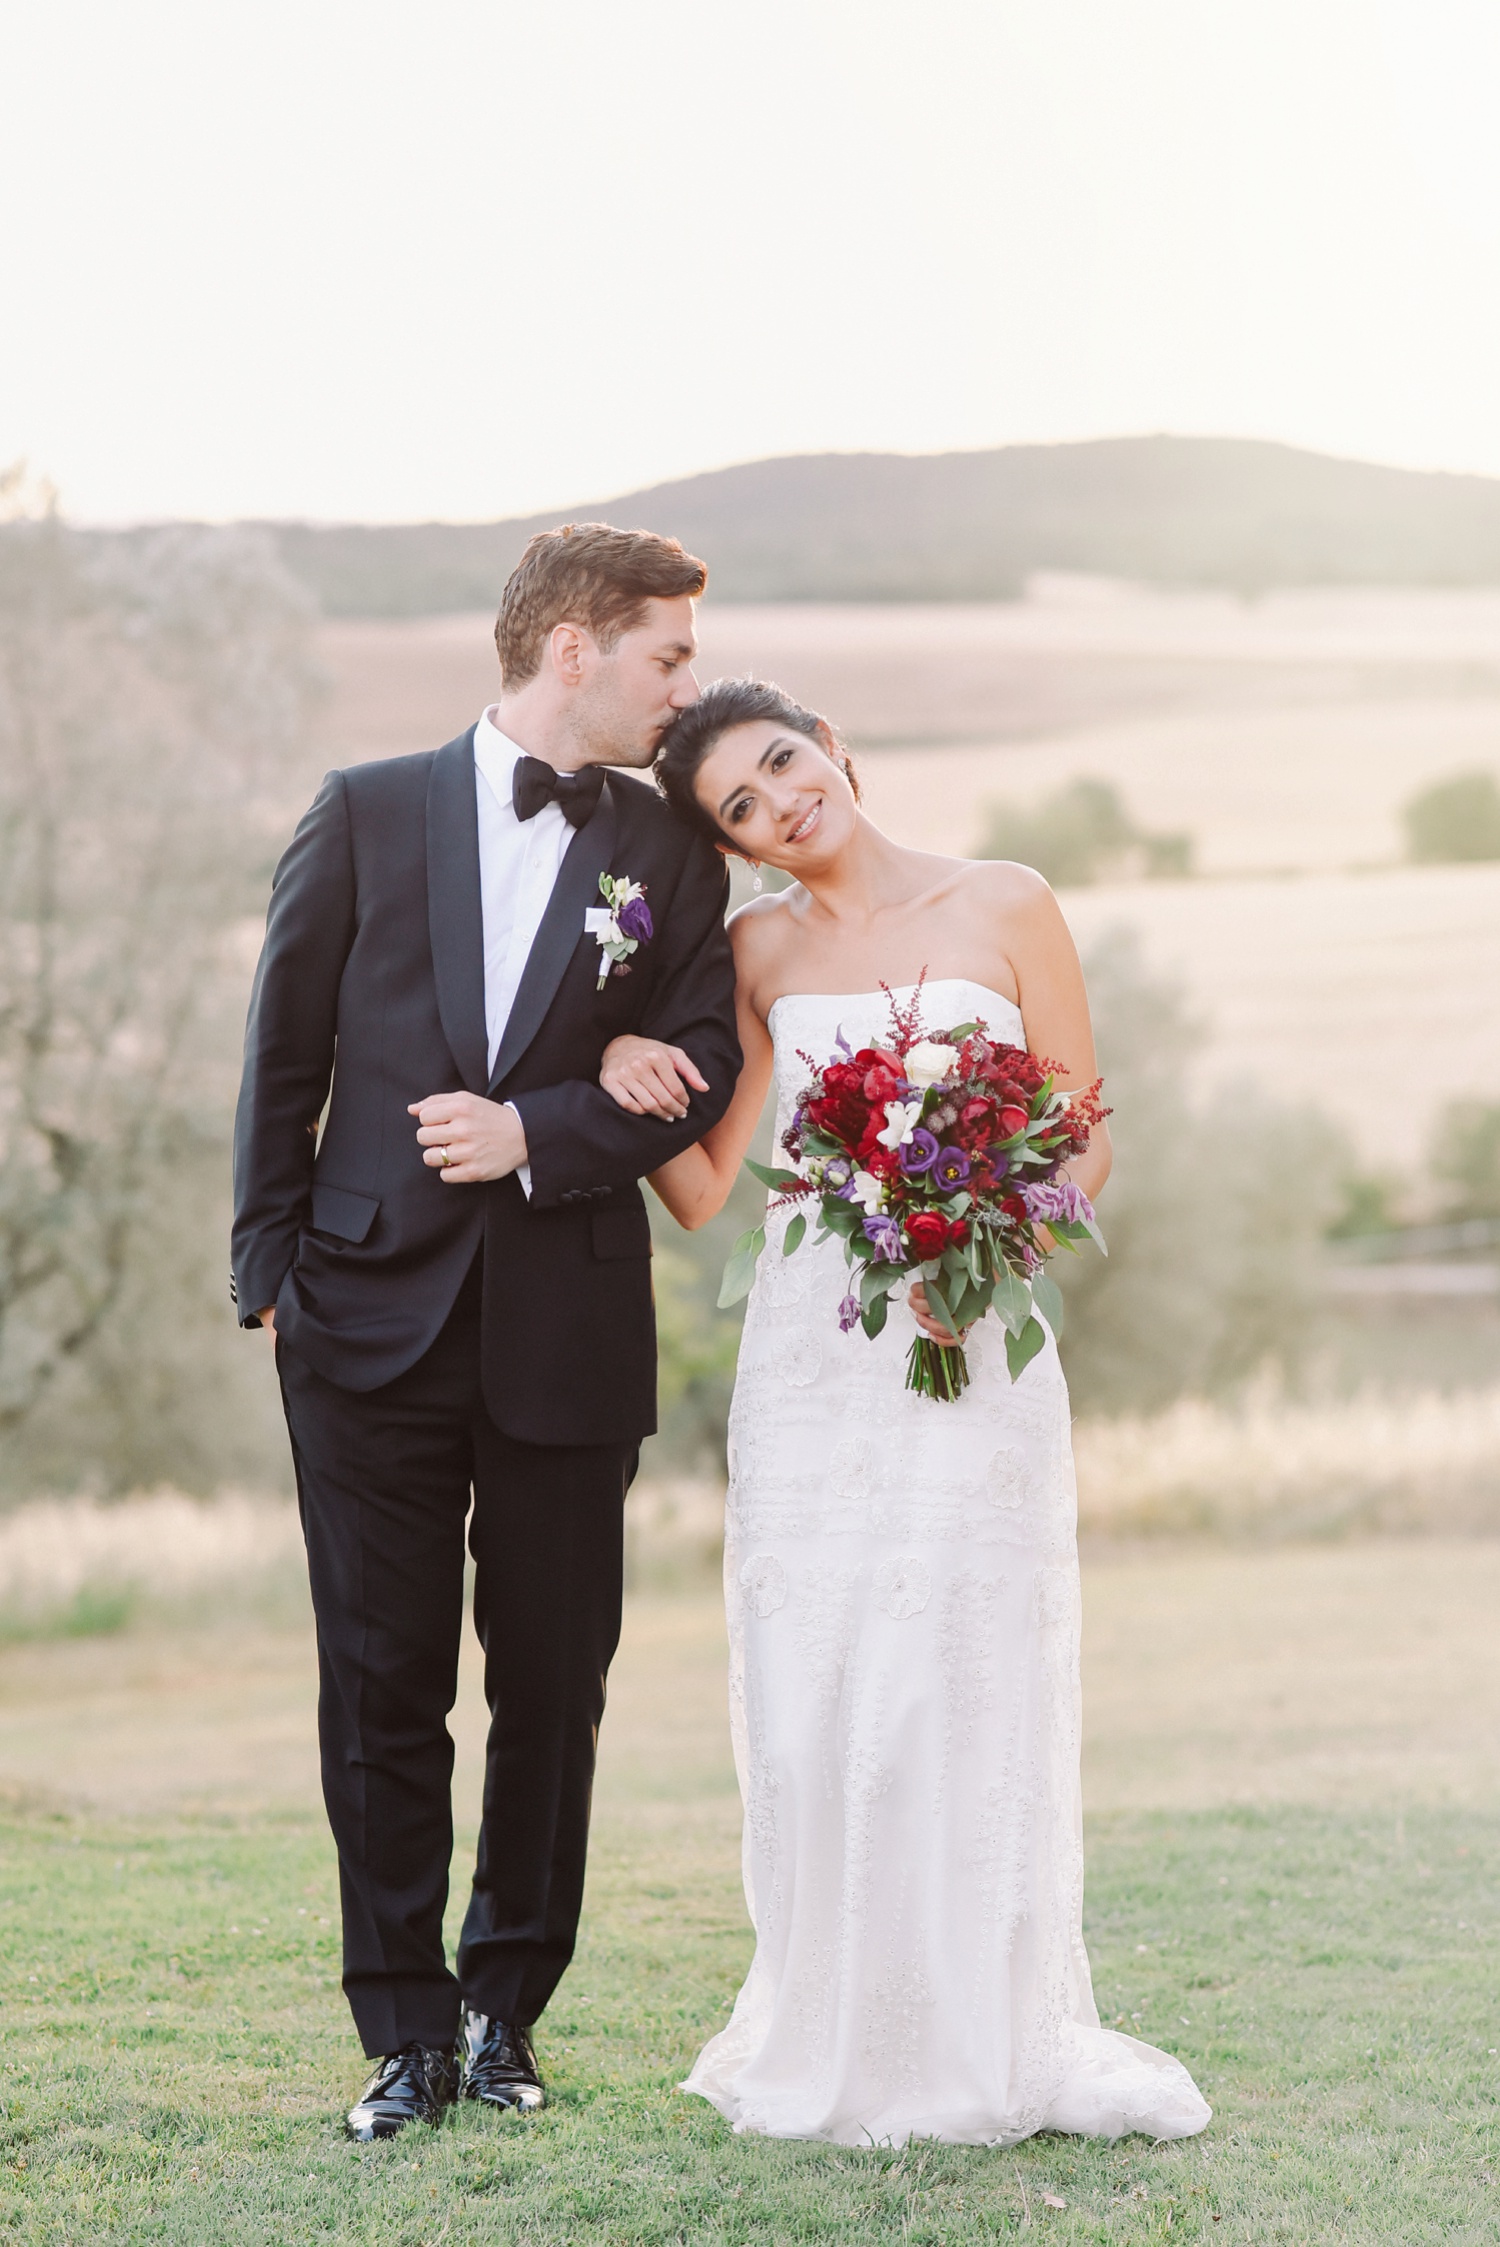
(934, 983)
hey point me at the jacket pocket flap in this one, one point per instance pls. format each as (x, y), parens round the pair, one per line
(338, 1211)
(622, 1232)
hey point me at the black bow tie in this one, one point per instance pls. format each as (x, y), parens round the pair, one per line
(575, 794)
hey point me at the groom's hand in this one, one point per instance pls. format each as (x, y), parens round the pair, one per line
(468, 1139)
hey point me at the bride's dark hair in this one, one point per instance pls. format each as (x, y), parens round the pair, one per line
(696, 731)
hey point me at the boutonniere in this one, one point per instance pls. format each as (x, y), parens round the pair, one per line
(619, 925)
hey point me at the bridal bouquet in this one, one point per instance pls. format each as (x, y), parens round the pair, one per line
(936, 1156)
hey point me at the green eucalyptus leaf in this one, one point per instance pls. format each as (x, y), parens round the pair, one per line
(879, 1279)
(1021, 1348)
(794, 1233)
(779, 1179)
(739, 1272)
(872, 1317)
(1012, 1300)
(938, 1302)
(1047, 1296)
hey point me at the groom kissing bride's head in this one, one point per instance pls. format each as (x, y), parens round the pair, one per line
(596, 642)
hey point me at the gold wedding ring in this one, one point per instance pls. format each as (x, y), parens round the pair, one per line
(446, 1157)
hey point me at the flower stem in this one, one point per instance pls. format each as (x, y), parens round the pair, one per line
(937, 1369)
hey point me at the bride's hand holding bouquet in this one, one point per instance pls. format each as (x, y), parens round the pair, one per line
(938, 1159)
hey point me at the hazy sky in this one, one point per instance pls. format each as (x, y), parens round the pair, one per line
(479, 257)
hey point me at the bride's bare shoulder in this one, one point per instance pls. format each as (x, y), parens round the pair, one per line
(1005, 886)
(763, 932)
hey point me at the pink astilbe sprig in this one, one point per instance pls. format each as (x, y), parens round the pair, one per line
(906, 1021)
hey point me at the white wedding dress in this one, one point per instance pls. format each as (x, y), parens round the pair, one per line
(902, 1583)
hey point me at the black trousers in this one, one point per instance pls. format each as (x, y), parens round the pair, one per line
(384, 1483)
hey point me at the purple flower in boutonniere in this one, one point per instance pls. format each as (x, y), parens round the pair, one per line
(635, 920)
(620, 925)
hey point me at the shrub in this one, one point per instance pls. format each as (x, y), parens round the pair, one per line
(1215, 1214)
(1454, 821)
(1466, 1160)
(1082, 833)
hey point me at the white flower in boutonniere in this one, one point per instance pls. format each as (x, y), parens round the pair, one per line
(619, 925)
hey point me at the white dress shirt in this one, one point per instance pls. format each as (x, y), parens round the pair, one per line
(519, 860)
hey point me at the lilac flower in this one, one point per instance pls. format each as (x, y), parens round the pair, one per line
(1060, 1201)
(837, 1174)
(848, 1314)
(951, 1168)
(884, 1234)
(919, 1153)
(635, 920)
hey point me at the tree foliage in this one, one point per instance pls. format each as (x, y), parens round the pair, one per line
(152, 691)
(1454, 821)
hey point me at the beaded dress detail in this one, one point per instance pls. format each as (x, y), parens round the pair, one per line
(902, 1586)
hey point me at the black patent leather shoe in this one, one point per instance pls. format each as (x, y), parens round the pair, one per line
(499, 2065)
(416, 2084)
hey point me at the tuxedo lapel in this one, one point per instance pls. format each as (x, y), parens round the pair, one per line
(455, 917)
(558, 937)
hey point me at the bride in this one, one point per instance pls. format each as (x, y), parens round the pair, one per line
(901, 1575)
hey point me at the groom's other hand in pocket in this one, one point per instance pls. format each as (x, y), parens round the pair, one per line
(467, 1139)
(648, 1078)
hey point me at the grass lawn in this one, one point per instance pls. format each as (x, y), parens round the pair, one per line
(177, 2051)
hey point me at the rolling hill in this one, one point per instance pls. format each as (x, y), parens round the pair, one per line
(1228, 512)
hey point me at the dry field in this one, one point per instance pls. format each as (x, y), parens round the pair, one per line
(1367, 1673)
(1284, 734)
(1214, 1673)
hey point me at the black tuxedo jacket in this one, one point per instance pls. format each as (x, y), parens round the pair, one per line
(371, 980)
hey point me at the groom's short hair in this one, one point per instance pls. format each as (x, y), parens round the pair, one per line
(588, 574)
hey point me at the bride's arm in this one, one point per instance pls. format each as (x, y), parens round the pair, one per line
(1055, 1007)
(640, 1074)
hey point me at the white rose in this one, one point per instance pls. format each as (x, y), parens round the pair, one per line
(929, 1062)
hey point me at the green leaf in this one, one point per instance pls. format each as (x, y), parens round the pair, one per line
(739, 1272)
(1047, 1296)
(938, 1302)
(879, 1279)
(794, 1233)
(1012, 1300)
(1021, 1348)
(779, 1179)
(872, 1317)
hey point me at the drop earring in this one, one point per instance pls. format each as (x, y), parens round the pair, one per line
(756, 884)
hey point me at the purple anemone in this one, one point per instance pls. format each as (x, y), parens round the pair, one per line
(884, 1236)
(919, 1153)
(951, 1168)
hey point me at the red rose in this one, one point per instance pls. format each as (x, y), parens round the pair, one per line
(926, 1234)
(1013, 1206)
(1012, 1120)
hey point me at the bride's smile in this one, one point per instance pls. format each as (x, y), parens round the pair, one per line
(778, 795)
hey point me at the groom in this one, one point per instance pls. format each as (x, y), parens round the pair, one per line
(452, 1249)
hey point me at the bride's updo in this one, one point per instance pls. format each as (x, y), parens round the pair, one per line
(695, 732)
